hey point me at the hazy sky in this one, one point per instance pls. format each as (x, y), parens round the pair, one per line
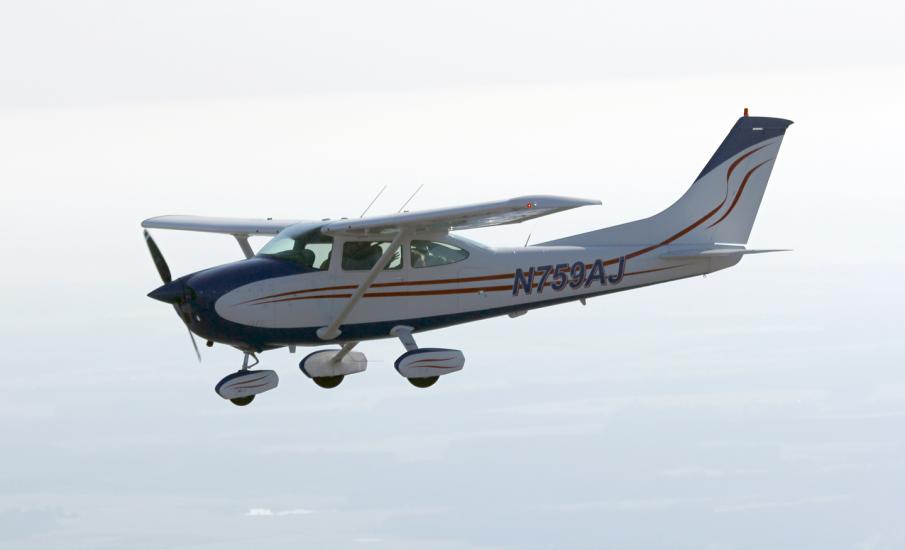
(761, 407)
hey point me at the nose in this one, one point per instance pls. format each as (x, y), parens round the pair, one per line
(169, 293)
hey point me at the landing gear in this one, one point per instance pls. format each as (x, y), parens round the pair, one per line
(240, 388)
(422, 367)
(328, 381)
(425, 382)
(329, 367)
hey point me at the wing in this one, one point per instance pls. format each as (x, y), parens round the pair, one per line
(472, 216)
(229, 226)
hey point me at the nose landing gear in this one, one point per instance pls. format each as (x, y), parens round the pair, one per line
(240, 388)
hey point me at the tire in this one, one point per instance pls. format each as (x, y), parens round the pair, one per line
(423, 382)
(328, 381)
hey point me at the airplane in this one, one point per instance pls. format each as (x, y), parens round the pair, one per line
(345, 281)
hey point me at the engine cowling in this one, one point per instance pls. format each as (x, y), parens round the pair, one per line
(429, 362)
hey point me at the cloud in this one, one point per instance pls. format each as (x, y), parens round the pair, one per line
(267, 512)
(19, 523)
(295, 512)
(767, 505)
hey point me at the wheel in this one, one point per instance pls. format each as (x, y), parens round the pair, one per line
(328, 381)
(242, 401)
(424, 382)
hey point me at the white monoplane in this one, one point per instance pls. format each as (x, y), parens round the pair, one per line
(349, 280)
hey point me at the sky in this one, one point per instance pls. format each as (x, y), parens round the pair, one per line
(761, 406)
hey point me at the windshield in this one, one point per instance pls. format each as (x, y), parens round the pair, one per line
(311, 249)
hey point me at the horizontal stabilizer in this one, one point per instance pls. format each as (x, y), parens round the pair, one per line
(715, 252)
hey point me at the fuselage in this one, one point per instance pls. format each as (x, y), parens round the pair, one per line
(271, 301)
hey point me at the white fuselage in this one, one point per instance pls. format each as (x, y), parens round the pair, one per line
(495, 281)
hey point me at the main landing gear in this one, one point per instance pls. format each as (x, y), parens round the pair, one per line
(241, 387)
(422, 367)
(329, 367)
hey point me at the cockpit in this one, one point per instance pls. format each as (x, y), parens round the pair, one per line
(310, 248)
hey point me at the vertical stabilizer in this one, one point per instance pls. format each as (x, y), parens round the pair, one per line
(721, 204)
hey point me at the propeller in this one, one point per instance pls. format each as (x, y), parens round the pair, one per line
(194, 343)
(157, 256)
(169, 292)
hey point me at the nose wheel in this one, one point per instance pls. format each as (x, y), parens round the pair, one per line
(241, 387)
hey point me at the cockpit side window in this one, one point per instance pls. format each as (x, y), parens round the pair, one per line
(363, 255)
(432, 254)
(311, 249)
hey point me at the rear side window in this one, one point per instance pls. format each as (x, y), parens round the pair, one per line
(432, 253)
(363, 255)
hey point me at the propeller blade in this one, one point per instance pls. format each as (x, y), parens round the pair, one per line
(161, 264)
(194, 344)
(171, 293)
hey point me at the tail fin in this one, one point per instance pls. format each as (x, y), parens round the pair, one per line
(720, 205)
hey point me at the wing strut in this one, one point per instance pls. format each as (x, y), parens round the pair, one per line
(332, 331)
(243, 244)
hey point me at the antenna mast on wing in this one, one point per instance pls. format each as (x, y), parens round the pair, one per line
(410, 199)
(373, 201)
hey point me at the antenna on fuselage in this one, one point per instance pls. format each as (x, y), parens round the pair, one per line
(410, 198)
(373, 201)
